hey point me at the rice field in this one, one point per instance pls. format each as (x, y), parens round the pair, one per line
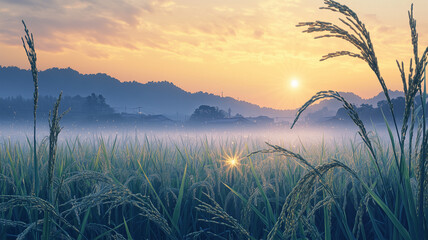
(196, 186)
(229, 185)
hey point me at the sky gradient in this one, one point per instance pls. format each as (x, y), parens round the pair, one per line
(247, 49)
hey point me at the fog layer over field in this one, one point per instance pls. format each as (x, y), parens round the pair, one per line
(283, 136)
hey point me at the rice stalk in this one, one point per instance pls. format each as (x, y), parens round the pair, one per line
(27, 230)
(219, 216)
(351, 113)
(358, 36)
(55, 129)
(8, 202)
(10, 223)
(422, 222)
(411, 132)
(33, 227)
(7, 181)
(298, 199)
(32, 59)
(358, 222)
(310, 229)
(114, 195)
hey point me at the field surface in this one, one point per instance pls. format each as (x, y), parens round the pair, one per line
(198, 186)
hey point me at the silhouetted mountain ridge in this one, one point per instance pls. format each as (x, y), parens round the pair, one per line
(151, 98)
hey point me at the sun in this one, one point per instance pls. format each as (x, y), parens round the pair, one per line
(294, 83)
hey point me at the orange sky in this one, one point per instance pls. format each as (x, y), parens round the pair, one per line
(247, 49)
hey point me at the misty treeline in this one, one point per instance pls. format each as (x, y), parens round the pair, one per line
(91, 107)
(95, 108)
(376, 113)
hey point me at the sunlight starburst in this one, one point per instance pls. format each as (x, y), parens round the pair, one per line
(232, 160)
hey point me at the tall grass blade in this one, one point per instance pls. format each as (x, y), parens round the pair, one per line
(128, 234)
(177, 208)
(84, 222)
(269, 215)
(401, 229)
(391, 138)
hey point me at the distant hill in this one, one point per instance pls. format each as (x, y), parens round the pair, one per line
(150, 98)
(392, 94)
(153, 97)
(329, 107)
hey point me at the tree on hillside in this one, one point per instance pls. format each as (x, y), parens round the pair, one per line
(97, 105)
(206, 113)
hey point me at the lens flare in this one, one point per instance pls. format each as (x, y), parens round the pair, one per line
(232, 161)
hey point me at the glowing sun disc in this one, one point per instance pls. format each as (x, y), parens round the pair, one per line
(294, 83)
